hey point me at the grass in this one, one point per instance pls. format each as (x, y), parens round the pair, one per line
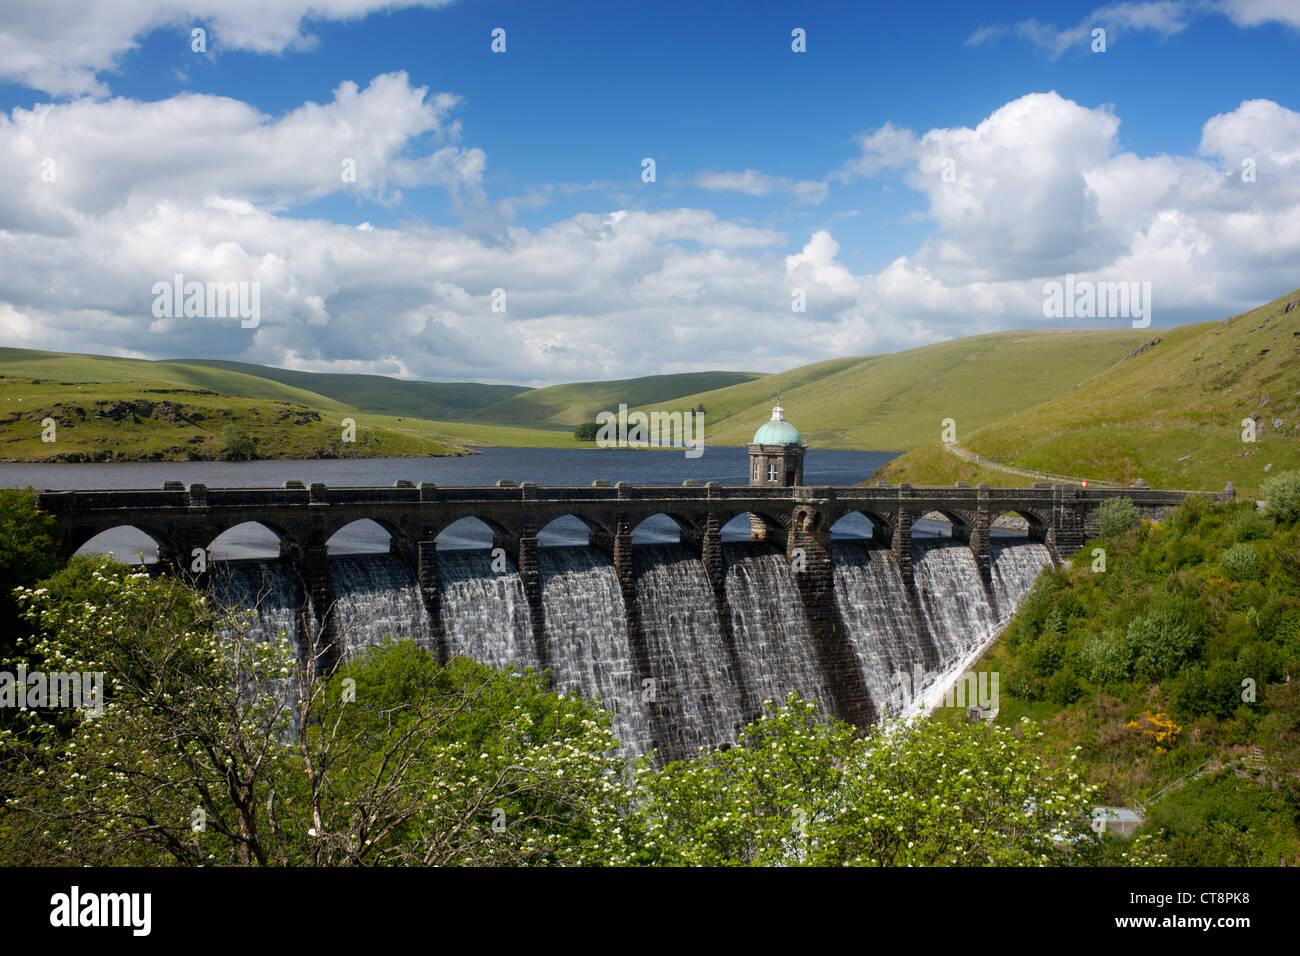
(131, 421)
(1089, 651)
(566, 406)
(1172, 415)
(379, 394)
(402, 418)
(898, 402)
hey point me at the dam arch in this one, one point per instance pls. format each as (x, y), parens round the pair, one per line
(141, 547)
(258, 536)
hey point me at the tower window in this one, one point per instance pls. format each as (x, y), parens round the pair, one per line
(771, 471)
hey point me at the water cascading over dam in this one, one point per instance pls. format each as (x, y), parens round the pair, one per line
(587, 636)
(375, 595)
(707, 676)
(484, 613)
(681, 641)
(769, 623)
(697, 683)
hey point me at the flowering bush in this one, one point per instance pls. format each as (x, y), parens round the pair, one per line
(1159, 727)
(201, 757)
(800, 789)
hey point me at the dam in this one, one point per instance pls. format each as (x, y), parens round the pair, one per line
(682, 640)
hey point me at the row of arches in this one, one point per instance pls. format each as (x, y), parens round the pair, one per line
(254, 539)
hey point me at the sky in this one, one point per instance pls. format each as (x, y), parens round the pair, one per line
(406, 200)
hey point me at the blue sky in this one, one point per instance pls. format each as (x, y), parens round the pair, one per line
(521, 171)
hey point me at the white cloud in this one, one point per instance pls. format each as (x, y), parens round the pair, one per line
(1253, 13)
(60, 46)
(1163, 17)
(120, 151)
(755, 183)
(1039, 187)
(889, 147)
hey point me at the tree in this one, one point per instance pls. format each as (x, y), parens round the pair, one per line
(587, 431)
(26, 556)
(756, 802)
(216, 748)
(1116, 516)
(1282, 496)
(797, 788)
(1160, 642)
(237, 444)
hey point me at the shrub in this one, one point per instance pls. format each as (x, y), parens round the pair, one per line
(1217, 821)
(1063, 687)
(1107, 658)
(237, 444)
(1160, 643)
(1160, 728)
(1045, 655)
(1248, 524)
(1188, 515)
(1215, 690)
(587, 431)
(1240, 562)
(1282, 494)
(26, 555)
(1116, 516)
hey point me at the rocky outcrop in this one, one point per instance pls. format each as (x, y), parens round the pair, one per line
(1142, 348)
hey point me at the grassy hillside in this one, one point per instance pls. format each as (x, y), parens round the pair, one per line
(897, 402)
(564, 406)
(1171, 415)
(1177, 661)
(380, 394)
(68, 367)
(119, 409)
(132, 421)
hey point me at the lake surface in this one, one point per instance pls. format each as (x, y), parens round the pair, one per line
(545, 466)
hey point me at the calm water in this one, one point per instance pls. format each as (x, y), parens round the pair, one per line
(545, 466)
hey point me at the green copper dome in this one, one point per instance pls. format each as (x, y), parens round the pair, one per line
(777, 431)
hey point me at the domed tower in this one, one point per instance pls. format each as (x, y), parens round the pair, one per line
(776, 453)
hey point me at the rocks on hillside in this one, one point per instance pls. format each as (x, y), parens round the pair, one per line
(296, 415)
(1142, 348)
(142, 408)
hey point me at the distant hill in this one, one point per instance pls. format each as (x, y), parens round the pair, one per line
(74, 367)
(1171, 415)
(564, 406)
(1163, 405)
(898, 401)
(450, 401)
(108, 408)
(159, 421)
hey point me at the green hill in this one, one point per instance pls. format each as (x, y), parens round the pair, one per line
(157, 421)
(564, 406)
(380, 394)
(1189, 612)
(1171, 415)
(121, 409)
(74, 368)
(899, 401)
